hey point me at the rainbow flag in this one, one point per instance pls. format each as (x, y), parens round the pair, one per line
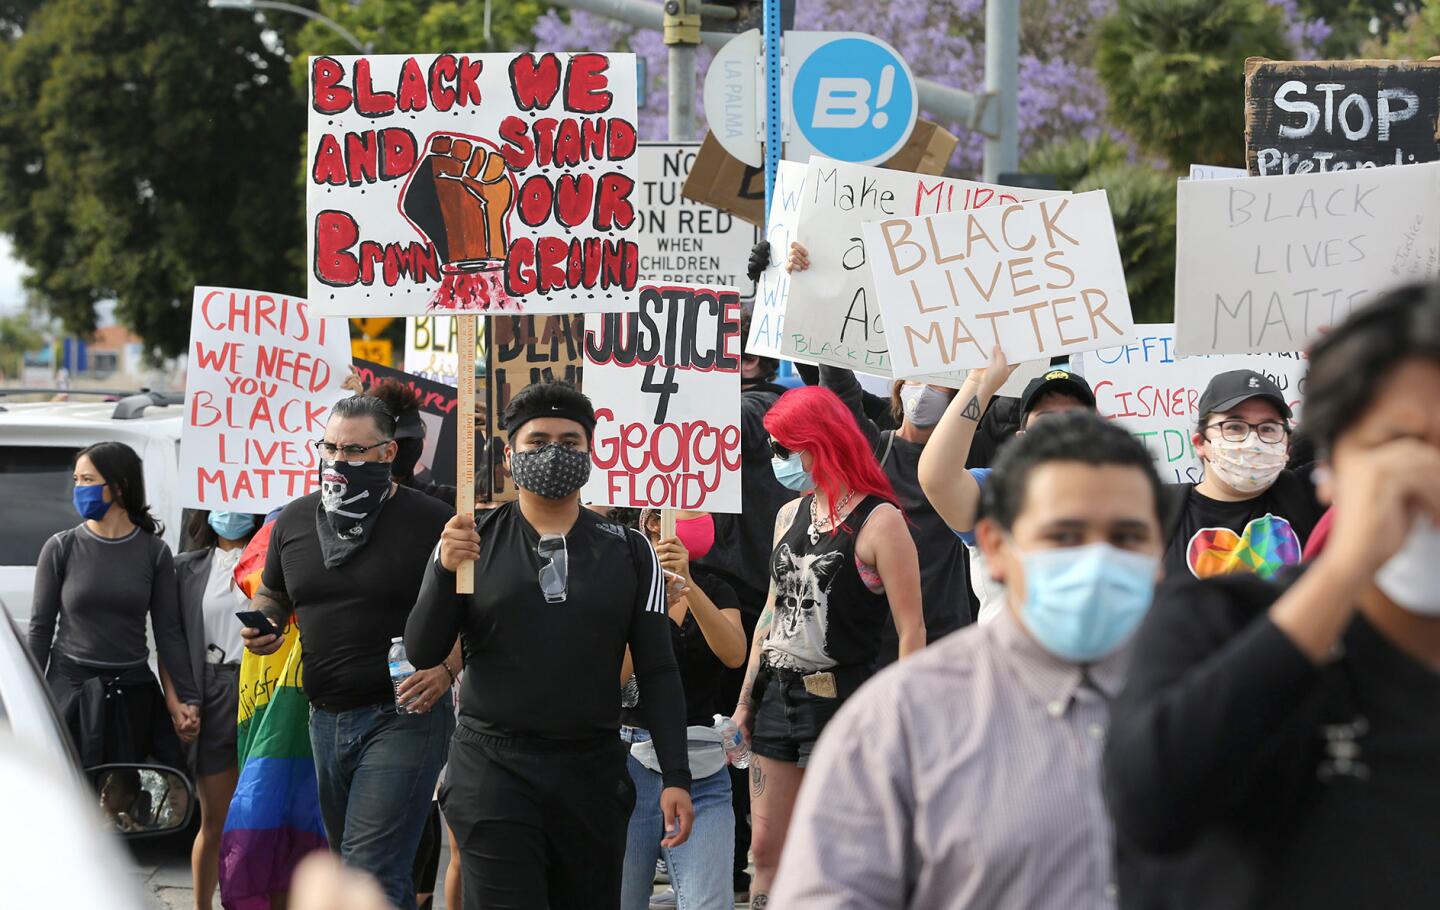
(274, 818)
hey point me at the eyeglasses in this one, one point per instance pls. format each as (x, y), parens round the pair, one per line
(1235, 430)
(779, 451)
(330, 449)
(554, 567)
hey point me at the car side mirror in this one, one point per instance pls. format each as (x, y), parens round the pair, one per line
(141, 800)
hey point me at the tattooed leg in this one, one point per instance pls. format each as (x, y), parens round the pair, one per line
(757, 780)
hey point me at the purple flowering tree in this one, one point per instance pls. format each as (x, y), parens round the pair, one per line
(1060, 96)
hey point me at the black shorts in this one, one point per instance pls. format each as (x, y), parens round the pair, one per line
(219, 714)
(789, 719)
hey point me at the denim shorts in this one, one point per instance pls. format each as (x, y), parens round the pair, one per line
(789, 719)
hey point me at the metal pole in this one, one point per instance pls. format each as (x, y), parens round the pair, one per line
(774, 103)
(681, 83)
(1002, 64)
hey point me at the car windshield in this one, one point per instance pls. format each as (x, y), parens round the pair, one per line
(35, 484)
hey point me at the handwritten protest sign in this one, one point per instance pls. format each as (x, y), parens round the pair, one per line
(1215, 172)
(666, 383)
(524, 350)
(1265, 263)
(1154, 393)
(476, 182)
(264, 371)
(437, 411)
(1039, 279)
(767, 319)
(831, 312)
(684, 242)
(1327, 115)
(430, 347)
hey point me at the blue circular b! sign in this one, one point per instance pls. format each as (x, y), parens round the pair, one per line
(854, 100)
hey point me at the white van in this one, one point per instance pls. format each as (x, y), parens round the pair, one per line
(38, 442)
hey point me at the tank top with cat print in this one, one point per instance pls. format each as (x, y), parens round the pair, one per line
(825, 616)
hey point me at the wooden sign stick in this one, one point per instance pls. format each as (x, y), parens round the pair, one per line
(465, 440)
(667, 524)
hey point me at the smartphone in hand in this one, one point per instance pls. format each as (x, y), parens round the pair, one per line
(257, 621)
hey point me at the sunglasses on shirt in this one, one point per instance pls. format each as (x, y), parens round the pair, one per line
(554, 567)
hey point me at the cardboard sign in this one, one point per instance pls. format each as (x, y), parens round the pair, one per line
(437, 410)
(430, 347)
(831, 312)
(767, 318)
(1329, 115)
(1266, 263)
(666, 385)
(477, 182)
(1155, 394)
(719, 179)
(264, 371)
(377, 350)
(683, 242)
(524, 350)
(1040, 279)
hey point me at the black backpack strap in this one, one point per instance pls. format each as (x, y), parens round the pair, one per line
(67, 543)
(888, 440)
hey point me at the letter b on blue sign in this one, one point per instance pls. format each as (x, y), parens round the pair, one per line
(854, 100)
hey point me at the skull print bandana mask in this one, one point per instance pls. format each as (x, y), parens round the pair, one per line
(552, 470)
(351, 494)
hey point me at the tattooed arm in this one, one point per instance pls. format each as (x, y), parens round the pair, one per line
(744, 709)
(943, 478)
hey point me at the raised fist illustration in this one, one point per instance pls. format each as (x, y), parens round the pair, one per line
(460, 198)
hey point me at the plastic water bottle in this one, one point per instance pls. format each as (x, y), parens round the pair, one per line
(401, 668)
(733, 741)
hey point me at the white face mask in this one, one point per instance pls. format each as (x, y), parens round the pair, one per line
(923, 406)
(1411, 577)
(1247, 467)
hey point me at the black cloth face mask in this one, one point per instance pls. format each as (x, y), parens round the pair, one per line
(551, 471)
(351, 494)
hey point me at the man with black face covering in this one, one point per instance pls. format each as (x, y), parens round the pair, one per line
(538, 793)
(348, 561)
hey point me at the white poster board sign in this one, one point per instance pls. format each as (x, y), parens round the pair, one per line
(1267, 263)
(767, 320)
(666, 384)
(472, 182)
(1155, 394)
(264, 371)
(1040, 279)
(1216, 172)
(831, 314)
(682, 241)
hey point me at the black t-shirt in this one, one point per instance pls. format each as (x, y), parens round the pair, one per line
(551, 671)
(701, 671)
(1261, 536)
(347, 615)
(1241, 775)
(825, 616)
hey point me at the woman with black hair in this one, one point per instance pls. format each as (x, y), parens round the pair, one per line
(98, 582)
(209, 598)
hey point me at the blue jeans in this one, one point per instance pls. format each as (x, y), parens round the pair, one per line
(699, 868)
(376, 769)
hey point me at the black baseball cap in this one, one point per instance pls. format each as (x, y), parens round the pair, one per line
(1062, 381)
(1227, 390)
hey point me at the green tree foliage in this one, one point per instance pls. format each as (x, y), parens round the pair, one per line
(1352, 21)
(16, 338)
(1174, 71)
(1418, 39)
(146, 146)
(1142, 204)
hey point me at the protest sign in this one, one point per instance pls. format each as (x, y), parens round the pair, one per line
(437, 411)
(264, 371)
(1327, 115)
(1154, 393)
(830, 312)
(683, 242)
(478, 182)
(1040, 279)
(430, 347)
(1215, 172)
(1266, 263)
(767, 318)
(666, 383)
(523, 350)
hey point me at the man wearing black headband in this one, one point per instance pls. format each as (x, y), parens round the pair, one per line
(538, 793)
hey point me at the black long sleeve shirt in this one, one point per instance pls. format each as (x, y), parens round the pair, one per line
(552, 670)
(1241, 775)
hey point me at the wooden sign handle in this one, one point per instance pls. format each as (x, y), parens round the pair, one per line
(465, 441)
(667, 524)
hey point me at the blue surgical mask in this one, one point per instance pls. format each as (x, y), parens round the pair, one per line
(792, 474)
(90, 501)
(232, 525)
(1083, 603)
